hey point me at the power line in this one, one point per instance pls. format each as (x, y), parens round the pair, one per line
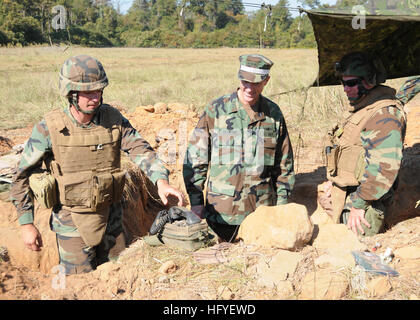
(263, 5)
(269, 6)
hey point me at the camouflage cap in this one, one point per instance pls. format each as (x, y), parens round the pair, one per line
(254, 67)
(363, 65)
(82, 73)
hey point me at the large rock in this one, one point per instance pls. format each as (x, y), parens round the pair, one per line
(336, 237)
(320, 217)
(337, 242)
(285, 227)
(274, 272)
(335, 259)
(325, 284)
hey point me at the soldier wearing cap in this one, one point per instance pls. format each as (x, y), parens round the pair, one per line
(241, 152)
(364, 151)
(81, 147)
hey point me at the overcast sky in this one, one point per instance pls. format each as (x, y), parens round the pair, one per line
(126, 4)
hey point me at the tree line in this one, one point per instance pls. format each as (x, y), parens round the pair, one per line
(154, 23)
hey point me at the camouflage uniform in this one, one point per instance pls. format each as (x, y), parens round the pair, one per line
(409, 95)
(246, 153)
(382, 138)
(75, 254)
(409, 89)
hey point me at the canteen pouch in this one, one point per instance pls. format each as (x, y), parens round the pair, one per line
(44, 188)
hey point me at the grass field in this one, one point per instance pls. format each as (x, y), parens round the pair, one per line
(29, 82)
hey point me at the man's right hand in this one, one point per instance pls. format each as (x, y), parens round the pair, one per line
(198, 210)
(31, 237)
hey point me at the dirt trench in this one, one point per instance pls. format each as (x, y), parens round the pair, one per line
(28, 275)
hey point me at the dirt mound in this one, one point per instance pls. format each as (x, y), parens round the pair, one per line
(239, 275)
(5, 145)
(408, 191)
(141, 201)
(141, 198)
(407, 194)
(412, 108)
(166, 127)
(11, 238)
(136, 275)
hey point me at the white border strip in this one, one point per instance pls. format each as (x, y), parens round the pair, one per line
(254, 70)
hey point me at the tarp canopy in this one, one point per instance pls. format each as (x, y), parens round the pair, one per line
(393, 35)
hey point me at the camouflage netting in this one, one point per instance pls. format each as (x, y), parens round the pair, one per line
(392, 34)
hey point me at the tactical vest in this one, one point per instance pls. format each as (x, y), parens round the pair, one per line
(345, 155)
(86, 161)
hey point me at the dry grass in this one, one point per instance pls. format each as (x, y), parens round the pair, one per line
(29, 76)
(138, 76)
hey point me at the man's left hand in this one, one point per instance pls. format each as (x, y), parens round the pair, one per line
(356, 217)
(164, 190)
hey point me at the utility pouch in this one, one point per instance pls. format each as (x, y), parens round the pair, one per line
(350, 166)
(107, 189)
(44, 188)
(331, 156)
(182, 236)
(102, 191)
(118, 185)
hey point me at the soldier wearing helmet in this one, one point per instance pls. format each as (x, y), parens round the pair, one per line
(364, 151)
(81, 147)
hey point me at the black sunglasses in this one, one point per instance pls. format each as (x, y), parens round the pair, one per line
(351, 83)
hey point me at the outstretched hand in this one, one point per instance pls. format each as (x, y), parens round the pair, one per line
(164, 190)
(356, 217)
(31, 237)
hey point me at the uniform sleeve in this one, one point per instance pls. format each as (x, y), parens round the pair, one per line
(37, 148)
(196, 161)
(141, 153)
(382, 139)
(284, 175)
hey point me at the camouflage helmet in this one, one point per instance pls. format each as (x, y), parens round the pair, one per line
(362, 65)
(82, 73)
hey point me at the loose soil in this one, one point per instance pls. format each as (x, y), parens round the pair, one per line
(137, 274)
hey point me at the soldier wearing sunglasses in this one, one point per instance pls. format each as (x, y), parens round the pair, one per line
(364, 151)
